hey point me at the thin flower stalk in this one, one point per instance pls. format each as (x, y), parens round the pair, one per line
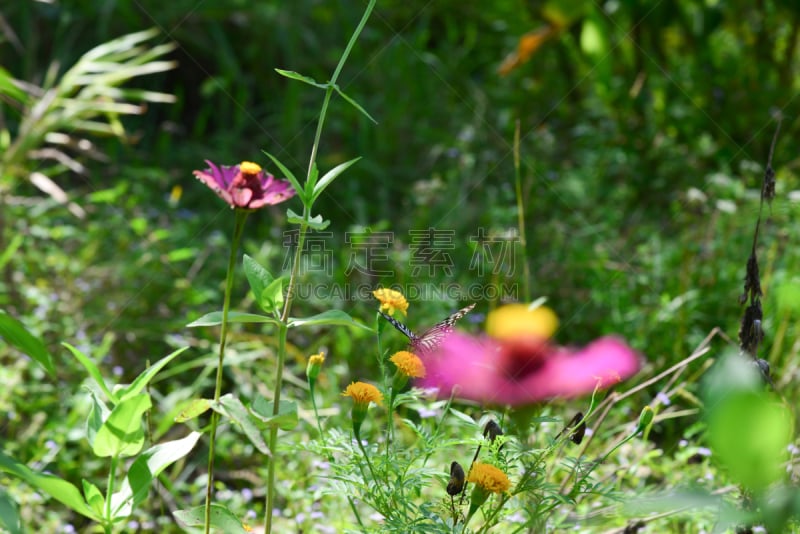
(238, 230)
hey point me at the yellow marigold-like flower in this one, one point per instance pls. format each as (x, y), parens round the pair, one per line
(518, 320)
(489, 478)
(363, 393)
(391, 300)
(317, 359)
(409, 364)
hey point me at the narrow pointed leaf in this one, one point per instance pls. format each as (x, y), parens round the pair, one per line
(301, 78)
(355, 104)
(215, 318)
(330, 176)
(330, 317)
(143, 379)
(289, 176)
(18, 336)
(93, 496)
(9, 514)
(93, 371)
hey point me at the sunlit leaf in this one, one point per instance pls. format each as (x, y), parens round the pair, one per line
(93, 496)
(146, 468)
(122, 434)
(196, 408)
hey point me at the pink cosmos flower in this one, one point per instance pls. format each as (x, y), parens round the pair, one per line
(520, 366)
(245, 185)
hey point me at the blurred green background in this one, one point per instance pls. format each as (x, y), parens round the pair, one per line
(645, 131)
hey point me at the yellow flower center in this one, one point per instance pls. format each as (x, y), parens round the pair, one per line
(363, 393)
(391, 300)
(317, 359)
(518, 320)
(488, 477)
(248, 167)
(409, 364)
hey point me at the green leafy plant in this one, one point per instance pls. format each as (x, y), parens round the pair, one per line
(115, 431)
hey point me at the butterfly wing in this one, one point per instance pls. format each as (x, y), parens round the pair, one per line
(401, 327)
(432, 338)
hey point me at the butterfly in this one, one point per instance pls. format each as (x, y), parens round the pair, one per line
(432, 338)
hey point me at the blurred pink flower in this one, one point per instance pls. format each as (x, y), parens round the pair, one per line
(245, 185)
(523, 368)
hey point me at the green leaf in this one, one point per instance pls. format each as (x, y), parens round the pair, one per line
(355, 104)
(93, 371)
(330, 317)
(145, 469)
(330, 176)
(196, 407)
(232, 408)
(749, 432)
(143, 379)
(289, 176)
(317, 223)
(258, 278)
(122, 434)
(97, 416)
(215, 318)
(59, 489)
(221, 519)
(301, 78)
(272, 296)
(286, 419)
(8, 88)
(17, 336)
(9, 514)
(93, 496)
(10, 248)
(312, 179)
(464, 417)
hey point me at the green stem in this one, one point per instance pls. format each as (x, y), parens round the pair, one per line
(523, 242)
(238, 230)
(283, 329)
(112, 475)
(316, 414)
